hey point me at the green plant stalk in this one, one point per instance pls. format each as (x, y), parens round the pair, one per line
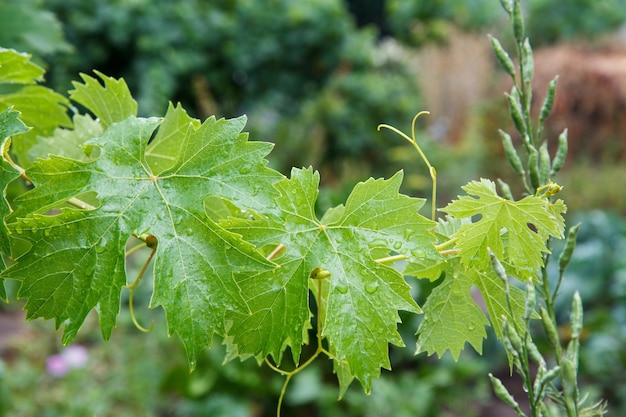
(539, 169)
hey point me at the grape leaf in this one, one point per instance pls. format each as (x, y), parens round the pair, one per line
(360, 298)
(68, 142)
(452, 316)
(526, 223)
(40, 108)
(17, 68)
(111, 102)
(77, 261)
(9, 125)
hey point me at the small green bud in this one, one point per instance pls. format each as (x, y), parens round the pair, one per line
(528, 66)
(518, 21)
(576, 316)
(502, 56)
(151, 241)
(515, 109)
(510, 333)
(529, 306)
(549, 327)
(534, 353)
(539, 384)
(511, 153)
(500, 390)
(506, 190)
(548, 102)
(533, 167)
(497, 266)
(319, 273)
(570, 244)
(561, 154)
(544, 163)
(551, 374)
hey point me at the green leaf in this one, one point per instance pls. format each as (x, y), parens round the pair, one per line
(68, 142)
(26, 26)
(495, 295)
(451, 317)
(77, 260)
(110, 103)
(41, 108)
(9, 125)
(17, 68)
(164, 146)
(516, 231)
(360, 298)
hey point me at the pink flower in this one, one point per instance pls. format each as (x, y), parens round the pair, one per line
(56, 366)
(72, 357)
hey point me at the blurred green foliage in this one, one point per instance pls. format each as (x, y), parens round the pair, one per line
(550, 21)
(598, 271)
(306, 76)
(26, 26)
(418, 22)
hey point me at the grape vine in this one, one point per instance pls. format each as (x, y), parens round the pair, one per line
(239, 250)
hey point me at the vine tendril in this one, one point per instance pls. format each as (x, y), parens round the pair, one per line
(431, 170)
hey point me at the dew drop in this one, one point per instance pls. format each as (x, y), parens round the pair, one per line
(89, 270)
(342, 289)
(100, 248)
(408, 233)
(418, 253)
(471, 327)
(18, 229)
(397, 245)
(378, 242)
(34, 228)
(371, 287)
(245, 169)
(47, 231)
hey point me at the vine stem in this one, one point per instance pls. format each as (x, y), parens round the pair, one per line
(135, 283)
(319, 275)
(432, 171)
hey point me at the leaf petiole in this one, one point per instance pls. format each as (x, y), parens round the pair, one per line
(7, 157)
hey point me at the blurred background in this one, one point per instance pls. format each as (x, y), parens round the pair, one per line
(316, 78)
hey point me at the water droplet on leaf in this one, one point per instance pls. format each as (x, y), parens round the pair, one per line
(397, 245)
(342, 289)
(418, 253)
(371, 287)
(378, 242)
(89, 270)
